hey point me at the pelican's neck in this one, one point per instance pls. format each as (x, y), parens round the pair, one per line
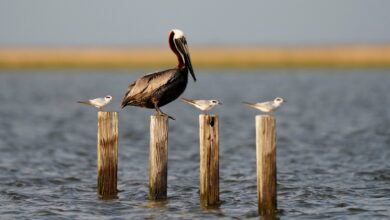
(173, 47)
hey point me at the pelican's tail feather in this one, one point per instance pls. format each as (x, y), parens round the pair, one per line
(123, 104)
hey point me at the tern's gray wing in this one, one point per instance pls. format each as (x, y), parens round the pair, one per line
(189, 101)
(85, 102)
(97, 101)
(266, 104)
(250, 104)
(204, 104)
(201, 104)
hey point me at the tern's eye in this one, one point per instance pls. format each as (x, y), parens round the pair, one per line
(214, 101)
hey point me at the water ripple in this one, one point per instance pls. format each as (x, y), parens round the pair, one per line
(332, 147)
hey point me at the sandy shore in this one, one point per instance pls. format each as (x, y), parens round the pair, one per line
(214, 57)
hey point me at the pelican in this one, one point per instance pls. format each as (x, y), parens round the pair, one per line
(160, 88)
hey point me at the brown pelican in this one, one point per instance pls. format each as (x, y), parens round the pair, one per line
(160, 88)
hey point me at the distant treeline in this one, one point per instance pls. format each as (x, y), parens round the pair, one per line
(202, 57)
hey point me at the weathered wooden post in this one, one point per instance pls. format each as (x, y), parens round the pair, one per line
(158, 157)
(209, 160)
(266, 163)
(107, 154)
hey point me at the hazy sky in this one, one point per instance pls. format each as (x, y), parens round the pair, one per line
(125, 22)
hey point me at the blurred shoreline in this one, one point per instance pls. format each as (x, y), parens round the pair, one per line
(354, 56)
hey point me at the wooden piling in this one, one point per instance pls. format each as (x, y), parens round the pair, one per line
(158, 157)
(107, 154)
(209, 160)
(266, 163)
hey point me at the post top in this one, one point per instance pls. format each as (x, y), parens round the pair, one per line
(208, 115)
(265, 117)
(106, 113)
(159, 116)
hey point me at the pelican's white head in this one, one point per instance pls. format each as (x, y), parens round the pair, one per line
(177, 33)
(179, 43)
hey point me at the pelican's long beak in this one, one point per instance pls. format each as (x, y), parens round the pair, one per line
(189, 65)
(181, 43)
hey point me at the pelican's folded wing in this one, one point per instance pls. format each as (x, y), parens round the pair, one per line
(147, 85)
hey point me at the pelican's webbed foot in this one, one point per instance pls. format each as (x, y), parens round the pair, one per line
(159, 112)
(164, 114)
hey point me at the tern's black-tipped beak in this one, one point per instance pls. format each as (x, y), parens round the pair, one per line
(181, 44)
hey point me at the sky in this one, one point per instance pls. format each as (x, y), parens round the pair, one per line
(205, 22)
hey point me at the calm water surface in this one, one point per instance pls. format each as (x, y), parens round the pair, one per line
(333, 140)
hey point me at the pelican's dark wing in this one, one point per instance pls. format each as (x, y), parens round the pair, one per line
(147, 85)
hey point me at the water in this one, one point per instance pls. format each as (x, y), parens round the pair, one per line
(333, 142)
